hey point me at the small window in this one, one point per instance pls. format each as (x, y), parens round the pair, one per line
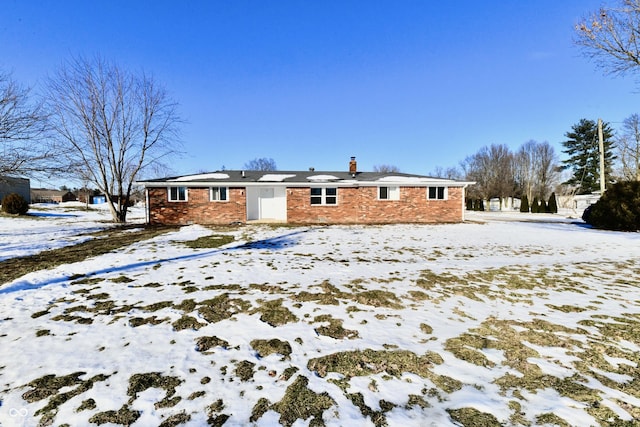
(324, 196)
(331, 196)
(437, 193)
(219, 194)
(389, 193)
(177, 194)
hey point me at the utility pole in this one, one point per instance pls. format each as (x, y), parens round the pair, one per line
(601, 149)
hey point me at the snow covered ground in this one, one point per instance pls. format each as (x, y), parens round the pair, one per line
(492, 322)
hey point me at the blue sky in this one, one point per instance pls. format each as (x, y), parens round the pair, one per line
(415, 84)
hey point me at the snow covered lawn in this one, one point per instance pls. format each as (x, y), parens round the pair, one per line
(491, 322)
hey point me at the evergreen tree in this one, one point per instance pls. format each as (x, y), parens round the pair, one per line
(553, 204)
(543, 207)
(524, 204)
(535, 205)
(582, 150)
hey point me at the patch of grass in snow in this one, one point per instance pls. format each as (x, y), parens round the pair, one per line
(551, 419)
(87, 405)
(471, 417)
(468, 347)
(368, 362)
(244, 370)
(123, 416)
(378, 298)
(175, 420)
(187, 322)
(330, 295)
(566, 308)
(209, 242)
(214, 416)
(103, 242)
(49, 386)
(141, 382)
(300, 402)
(267, 347)
(222, 307)
(334, 329)
(121, 279)
(134, 322)
(274, 313)
(205, 343)
(378, 418)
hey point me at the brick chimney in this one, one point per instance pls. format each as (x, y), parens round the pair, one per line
(353, 166)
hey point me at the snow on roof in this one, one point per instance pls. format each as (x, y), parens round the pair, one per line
(275, 177)
(417, 179)
(323, 178)
(215, 175)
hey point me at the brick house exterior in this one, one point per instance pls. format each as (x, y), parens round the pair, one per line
(304, 197)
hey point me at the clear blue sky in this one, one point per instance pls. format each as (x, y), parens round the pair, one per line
(415, 84)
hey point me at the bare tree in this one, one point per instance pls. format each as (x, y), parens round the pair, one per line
(493, 170)
(447, 173)
(611, 36)
(386, 169)
(536, 169)
(23, 148)
(628, 144)
(261, 164)
(114, 123)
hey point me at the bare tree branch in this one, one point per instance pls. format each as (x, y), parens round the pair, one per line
(611, 37)
(24, 149)
(628, 144)
(261, 164)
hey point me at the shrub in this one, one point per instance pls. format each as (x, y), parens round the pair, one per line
(524, 204)
(552, 206)
(543, 207)
(617, 209)
(535, 205)
(14, 204)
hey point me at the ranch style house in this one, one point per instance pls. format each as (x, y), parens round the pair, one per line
(304, 197)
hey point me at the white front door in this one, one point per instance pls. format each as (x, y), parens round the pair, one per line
(267, 203)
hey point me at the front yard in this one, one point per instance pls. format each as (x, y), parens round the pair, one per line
(475, 324)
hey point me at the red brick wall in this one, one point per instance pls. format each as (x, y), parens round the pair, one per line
(197, 209)
(356, 205)
(360, 205)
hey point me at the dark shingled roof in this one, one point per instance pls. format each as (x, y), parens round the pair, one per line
(239, 177)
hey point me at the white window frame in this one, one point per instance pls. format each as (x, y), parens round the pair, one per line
(393, 192)
(216, 196)
(177, 198)
(323, 196)
(445, 192)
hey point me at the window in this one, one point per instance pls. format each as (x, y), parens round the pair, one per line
(218, 194)
(177, 194)
(324, 196)
(436, 193)
(389, 193)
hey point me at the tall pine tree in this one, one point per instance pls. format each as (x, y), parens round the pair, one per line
(581, 147)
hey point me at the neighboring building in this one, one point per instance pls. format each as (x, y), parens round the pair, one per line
(21, 186)
(578, 202)
(304, 197)
(45, 195)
